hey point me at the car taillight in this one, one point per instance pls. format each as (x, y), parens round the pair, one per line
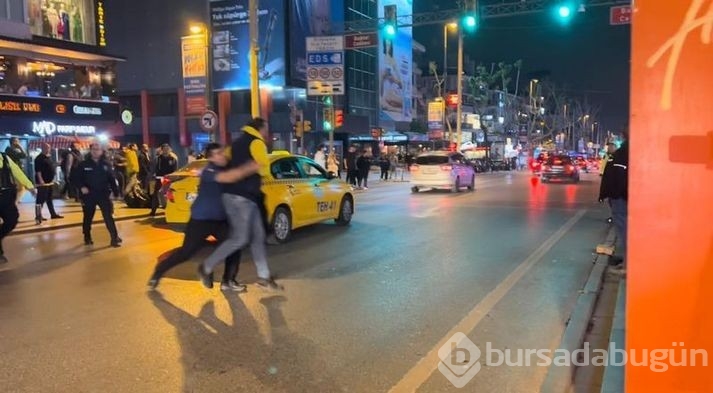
(165, 181)
(570, 168)
(169, 195)
(447, 167)
(414, 167)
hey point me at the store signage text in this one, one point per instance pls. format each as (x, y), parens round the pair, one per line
(46, 128)
(101, 28)
(85, 110)
(14, 106)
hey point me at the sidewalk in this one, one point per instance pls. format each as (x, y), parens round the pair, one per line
(72, 212)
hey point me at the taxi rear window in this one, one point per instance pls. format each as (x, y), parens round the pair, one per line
(431, 160)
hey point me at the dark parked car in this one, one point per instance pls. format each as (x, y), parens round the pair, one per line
(560, 168)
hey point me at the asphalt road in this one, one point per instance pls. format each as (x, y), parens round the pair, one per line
(364, 310)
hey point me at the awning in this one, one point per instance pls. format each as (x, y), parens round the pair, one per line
(33, 51)
(65, 142)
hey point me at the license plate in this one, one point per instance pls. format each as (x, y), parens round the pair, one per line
(558, 168)
(429, 171)
(191, 196)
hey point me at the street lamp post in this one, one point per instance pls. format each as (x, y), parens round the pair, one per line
(449, 25)
(459, 80)
(254, 50)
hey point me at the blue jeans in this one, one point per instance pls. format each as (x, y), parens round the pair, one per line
(619, 208)
(246, 226)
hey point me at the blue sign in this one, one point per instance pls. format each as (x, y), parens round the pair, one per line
(326, 58)
(230, 44)
(310, 18)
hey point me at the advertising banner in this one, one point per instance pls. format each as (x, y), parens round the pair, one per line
(68, 20)
(230, 44)
(45, 108)
(395, 65)
(435, 115)
(194, 56)
(310, 18)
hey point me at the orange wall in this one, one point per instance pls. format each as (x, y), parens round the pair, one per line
(670, 280)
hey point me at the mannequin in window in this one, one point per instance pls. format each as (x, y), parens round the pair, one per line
(77, 33)
(54, 20)
(64, 22)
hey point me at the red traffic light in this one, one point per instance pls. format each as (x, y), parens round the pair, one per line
(452, 100)
(338, 118)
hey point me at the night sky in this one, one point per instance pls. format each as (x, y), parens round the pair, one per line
(588, 57)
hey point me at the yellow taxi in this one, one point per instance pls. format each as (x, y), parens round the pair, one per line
(298, 192)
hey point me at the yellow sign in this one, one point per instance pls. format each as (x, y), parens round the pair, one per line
(435, 114)
(194, 52)
(101, 27)
(14, 106)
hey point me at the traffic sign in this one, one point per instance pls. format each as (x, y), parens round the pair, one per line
(325, 65)
(358, 41)
(209, 121)
(620, 15)
(325, 58)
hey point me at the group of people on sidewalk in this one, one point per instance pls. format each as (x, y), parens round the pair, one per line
(229, 185)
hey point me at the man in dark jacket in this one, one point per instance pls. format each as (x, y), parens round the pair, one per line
(208, 218)
(96, 182)
(166, 164)
(45, 172)
(242, 199)
(615, 188)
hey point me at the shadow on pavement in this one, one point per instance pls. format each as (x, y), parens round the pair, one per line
(217, 355)
(13, 273)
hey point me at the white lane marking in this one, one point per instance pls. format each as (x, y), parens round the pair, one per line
(422, 371)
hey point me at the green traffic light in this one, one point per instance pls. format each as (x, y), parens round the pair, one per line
(327, 100)
(390, 30)
(565, 11)
(327, 126)
(469, 21)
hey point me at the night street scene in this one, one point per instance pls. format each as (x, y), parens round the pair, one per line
(356, 196)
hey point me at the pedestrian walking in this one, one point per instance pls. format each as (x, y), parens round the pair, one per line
(384, 165)
(95, 181)
(17, 154)
(615, 189)
(144, 175)
(11, 176)
(70, 163)
(363, 166)
(242, 199)
(166, 163)
(350, 166)
(45, 172)
(132, 167)
(208, 218)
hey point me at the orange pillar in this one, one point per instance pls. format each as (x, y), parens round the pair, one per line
(145, 117)
(183, 136)
(223, 113)
(265, 103)
(670, 254)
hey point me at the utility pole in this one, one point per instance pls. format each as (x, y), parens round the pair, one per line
(254, 51)
(459, 110)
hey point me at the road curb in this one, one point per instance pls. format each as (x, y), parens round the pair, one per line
(560, 378)
(613, 379)
(39, 229)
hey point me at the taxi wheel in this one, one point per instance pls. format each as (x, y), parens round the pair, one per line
(471, 186)
(282, 224)
(346, 210)
(456, 186)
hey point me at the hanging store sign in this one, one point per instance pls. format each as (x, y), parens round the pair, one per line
(47, 128)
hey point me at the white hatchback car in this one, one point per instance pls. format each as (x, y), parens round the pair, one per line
(442, 169)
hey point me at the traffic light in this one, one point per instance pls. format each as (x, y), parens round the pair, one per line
(564, 11)
(469, 21)
(328, 119)
(390, 20)
(452, 100)
(327, 100)
(338, 118)
(307, 126)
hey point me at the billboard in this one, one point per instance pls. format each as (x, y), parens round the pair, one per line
(395, 65)
(310, 18)
(68, 20)
(194, 57)
(230, 44)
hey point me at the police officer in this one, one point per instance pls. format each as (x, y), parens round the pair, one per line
(11, 176)
(95, 182)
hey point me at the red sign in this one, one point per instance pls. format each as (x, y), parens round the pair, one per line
(620, 15)
(452, 100)
(357, 41)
